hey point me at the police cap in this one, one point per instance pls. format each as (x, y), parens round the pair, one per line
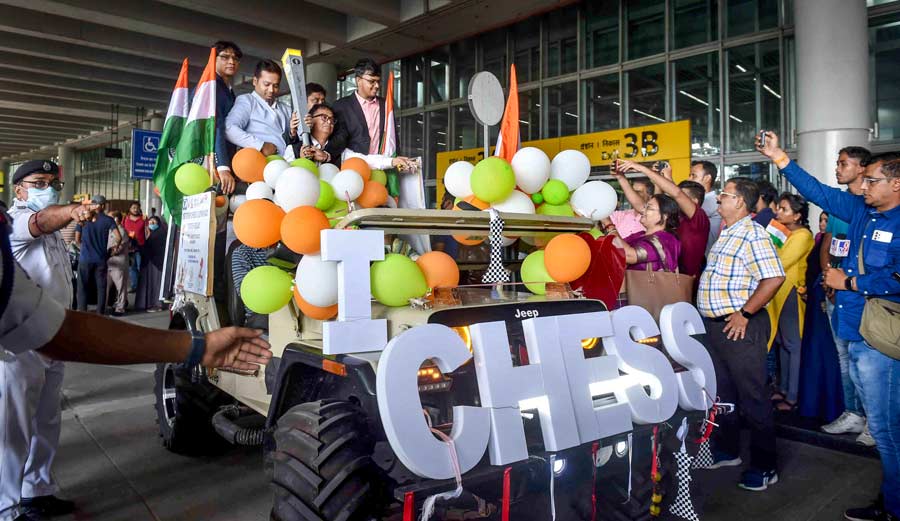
(35, 166)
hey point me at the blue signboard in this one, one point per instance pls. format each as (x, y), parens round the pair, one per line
(144, 144)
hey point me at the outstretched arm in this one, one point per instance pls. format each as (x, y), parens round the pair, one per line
(630, 195)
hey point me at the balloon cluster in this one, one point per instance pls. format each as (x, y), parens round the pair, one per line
(531, 184)
(292, 203)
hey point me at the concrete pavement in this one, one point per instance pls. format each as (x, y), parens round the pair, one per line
(112, 463)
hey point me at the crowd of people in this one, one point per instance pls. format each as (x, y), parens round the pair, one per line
(765, 285)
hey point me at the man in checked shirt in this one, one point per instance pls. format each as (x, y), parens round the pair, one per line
(742, 275)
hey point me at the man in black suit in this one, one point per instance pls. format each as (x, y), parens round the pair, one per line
(228, 59)
(361, 114)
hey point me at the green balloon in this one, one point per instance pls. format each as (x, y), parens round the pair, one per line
(493, 180)
(379, 177)
(326, 196)
(397, 279)
(337, 211)
(275, 157)
(595, 232)
(266, 289)
(537, 198)
(191, 179)
(307, 164)
(555, 192)
(564, 210)
(534, 273)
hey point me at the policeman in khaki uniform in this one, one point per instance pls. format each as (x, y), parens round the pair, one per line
(36, 327)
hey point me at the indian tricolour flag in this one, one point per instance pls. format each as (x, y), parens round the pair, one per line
(198, 138)
(163, 175)
(389, 134)
(778, 232)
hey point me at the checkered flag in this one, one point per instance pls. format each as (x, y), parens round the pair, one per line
(682, 506)
(496, 272)
(704, 458)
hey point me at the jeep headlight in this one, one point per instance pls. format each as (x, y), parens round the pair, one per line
(463, 332)
(589, 343)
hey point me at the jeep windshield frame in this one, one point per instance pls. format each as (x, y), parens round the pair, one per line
(464, 222)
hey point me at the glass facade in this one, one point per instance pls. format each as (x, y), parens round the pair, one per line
(725, 65)
(108, 177)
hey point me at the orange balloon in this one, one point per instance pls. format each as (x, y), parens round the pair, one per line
(301, 227)
(374, 194)
(474, 201)
(220, 201)
(257, 223)
(469, 240)
(360, 166)
(440, 270)
(248, 164)
(314, 312)
(567, 257)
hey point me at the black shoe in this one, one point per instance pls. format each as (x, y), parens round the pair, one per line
(873, 512)
(48, 506)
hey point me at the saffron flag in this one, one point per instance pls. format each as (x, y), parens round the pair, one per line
(198, 139)
(778, 232)
(389, 133)
(163, 175)
(508, 141)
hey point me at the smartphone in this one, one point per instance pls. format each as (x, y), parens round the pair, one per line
(662, 165)
(762, 139)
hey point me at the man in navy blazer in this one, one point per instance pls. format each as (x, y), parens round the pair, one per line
(228, 59)
(360, 116)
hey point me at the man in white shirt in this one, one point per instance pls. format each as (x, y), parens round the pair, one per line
(31, 411)
(705, 173)
(258, 120)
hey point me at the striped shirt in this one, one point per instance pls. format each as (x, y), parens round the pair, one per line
(741, 257)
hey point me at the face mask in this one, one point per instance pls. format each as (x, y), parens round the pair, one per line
(154, 227)
(40, 198)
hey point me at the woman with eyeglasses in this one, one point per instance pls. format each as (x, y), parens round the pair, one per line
(658, 248)
(324, 149)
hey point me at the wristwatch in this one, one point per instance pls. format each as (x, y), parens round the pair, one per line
(198, 349)
(848, 283)
(746, 314)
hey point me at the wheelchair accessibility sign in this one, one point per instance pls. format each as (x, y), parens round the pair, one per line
(144, 145)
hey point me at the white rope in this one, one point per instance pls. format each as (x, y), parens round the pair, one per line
(428, 506)
(552, 481)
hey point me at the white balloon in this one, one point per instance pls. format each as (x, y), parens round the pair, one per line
(327, 171)
(532, 168)
(595, 200)
(317, 280)
(347, 183)
(236, 202)
(457, 179)
(571, 167)
(296, 187)
(259, 190)
(517, 202)
(273, 171)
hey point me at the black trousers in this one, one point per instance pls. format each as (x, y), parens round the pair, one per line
(92, 275)
(741, 380)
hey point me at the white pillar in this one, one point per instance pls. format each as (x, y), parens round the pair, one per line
(67, 165)
(832, 83)
(325, 74)
(7, 182)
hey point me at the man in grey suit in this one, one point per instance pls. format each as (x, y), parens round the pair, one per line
(258, 120)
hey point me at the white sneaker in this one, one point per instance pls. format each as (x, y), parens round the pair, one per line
(848, 422)
(865, 437)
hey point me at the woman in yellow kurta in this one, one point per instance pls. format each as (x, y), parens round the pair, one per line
(787, 309)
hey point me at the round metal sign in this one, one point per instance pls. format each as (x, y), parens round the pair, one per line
(486, 98)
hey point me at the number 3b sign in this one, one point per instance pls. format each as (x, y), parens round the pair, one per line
(666, 141)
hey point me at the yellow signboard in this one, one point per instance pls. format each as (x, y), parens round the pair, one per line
(663, 142)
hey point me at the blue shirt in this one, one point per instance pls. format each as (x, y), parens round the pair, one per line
(836, 226)
(879, 234)
(94, 239)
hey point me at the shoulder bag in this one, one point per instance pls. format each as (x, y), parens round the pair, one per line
(652, 290)
(880, 324)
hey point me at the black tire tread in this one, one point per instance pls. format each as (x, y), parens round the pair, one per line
(323, 468)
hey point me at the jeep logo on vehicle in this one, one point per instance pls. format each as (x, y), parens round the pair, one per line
(526, 313)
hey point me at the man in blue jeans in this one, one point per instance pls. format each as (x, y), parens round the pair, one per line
(874, 219)
(849, 170)
(94, 238)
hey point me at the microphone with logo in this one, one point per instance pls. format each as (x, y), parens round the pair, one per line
(838, 251)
